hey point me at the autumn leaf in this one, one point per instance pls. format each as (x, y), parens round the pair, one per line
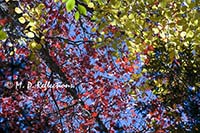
(94, 114)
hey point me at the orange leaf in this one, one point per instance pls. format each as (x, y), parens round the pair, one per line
(118, 61)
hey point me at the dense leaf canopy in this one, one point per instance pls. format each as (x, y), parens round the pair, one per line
(127, 65)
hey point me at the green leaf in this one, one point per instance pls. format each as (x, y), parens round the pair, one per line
(100, 2)
(77, 16)
(163, 3)
(82, 9)
(3, 35)
(86, 1)
(70, 5)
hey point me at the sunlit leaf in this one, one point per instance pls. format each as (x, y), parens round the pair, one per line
(91, 5)
(22, 20)
(3, 35)
(34, 45)
(11, 53)
(82, 9)
(163, 3)
(155, 30)
(86, 1)
(77, 15)
(70, 4)
(30, 34)
(188, 1)
(18, 10)
(190, 34)
(183, 34)
(41, 6)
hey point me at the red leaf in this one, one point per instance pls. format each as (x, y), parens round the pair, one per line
(94, 114)
(101, 69)
(85, 39)
(133, 113)
(129, 69)
(150, 48)
(3, 21)
(86, 107)
(160, 131)
(146, 61)
(95, 55)
(92, 96)
(125, 59)
(112, 131)
(90, 122)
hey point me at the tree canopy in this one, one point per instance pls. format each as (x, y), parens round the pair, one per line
(99, 65)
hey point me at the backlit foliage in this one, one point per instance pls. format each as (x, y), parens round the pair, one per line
(125, 61)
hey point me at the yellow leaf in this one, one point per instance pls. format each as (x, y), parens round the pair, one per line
(41, 6)
(131, 16)
(34, 45)
(114, 22)
(183, 34)
(99, 39)
(197, 84)
(154, 7)
(171, 56)
(93, 29)
(162, 35)
(155, 30)
(30, 34)
(196, 22)
(190, 34)
(12, 53)
(91, 5)
(33, 28)
(22, 20)
(26, 16)
(188, 1)
(18, 10)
